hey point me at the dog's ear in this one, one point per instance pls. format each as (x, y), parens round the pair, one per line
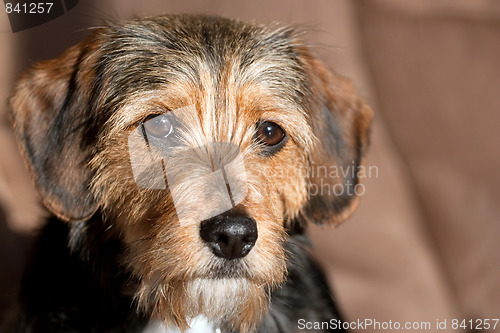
(341, 123)
(49, 107)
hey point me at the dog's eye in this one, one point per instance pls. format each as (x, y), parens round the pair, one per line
(270, 133)
(158, 126)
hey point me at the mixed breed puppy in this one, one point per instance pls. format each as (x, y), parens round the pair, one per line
(177, 156)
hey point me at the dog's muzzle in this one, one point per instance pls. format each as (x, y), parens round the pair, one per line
(230, 235)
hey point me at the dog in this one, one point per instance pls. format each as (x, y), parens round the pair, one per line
(180, 158)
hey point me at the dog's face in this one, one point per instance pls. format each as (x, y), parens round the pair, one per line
(197, 138)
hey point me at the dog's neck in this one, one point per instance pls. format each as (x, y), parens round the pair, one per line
(197, 325)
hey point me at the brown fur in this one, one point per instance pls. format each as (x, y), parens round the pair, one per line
(175, 270)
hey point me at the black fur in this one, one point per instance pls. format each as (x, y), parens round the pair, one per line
(87, 290)
(76, 280)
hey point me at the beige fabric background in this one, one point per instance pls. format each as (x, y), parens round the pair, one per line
(424, 243)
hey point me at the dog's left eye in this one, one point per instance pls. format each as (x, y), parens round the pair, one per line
(270, 133)
(158, 126)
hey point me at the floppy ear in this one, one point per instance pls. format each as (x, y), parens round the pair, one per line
(49, 109)
(341, 123)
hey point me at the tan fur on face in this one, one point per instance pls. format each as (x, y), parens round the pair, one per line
(168, 257)
(225, 77)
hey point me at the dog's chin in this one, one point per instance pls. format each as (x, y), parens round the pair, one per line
(229, 269)
(237, 302)
(230, 304)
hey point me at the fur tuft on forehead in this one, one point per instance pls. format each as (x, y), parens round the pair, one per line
(249, 118)
(191, 56)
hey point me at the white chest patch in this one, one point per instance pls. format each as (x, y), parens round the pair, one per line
(198, 325)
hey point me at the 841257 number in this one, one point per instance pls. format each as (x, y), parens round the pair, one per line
(29, 8)
(475, 324)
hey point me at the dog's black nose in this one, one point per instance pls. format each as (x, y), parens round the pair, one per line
(229, 235)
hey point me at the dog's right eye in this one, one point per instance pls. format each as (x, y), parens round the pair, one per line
(158, 126)
(270, 133)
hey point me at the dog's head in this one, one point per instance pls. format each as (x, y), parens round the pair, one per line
(200, 140)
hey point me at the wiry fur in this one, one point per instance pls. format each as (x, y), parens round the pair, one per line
(74, 117)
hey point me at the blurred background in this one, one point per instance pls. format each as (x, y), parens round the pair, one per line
(424, 244)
